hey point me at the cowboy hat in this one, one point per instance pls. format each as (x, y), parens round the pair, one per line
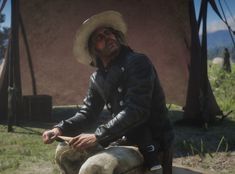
(109, 18)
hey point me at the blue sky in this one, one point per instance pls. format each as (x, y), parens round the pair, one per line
(7, 12)
(214, 23)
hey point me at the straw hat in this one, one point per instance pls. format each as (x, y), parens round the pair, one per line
(109, 18)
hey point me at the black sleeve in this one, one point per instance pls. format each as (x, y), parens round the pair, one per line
(92, 106)
(137, 101)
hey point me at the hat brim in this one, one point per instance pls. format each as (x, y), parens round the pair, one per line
(109, 18)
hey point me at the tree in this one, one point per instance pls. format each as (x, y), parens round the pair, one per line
(4, 35)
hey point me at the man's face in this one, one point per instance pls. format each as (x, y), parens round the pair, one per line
(105, 42)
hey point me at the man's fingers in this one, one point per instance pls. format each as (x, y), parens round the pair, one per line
(48, 137)
(81, 146)
(83, 141)
(79, 143)
(45, 138)
(71, 142)
(74, 140)
(53, 136)
(76, 143)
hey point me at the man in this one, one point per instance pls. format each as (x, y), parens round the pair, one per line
(127, 84)
(226, 63)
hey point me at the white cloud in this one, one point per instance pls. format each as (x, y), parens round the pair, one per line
(220, 25)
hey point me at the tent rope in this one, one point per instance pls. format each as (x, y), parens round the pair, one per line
(224, 20)
(3, 5)
(226, 4)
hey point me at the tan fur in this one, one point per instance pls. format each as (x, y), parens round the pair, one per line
(112, 160)
(118, 159)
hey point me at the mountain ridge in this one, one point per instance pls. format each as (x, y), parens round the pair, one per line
(218, 39)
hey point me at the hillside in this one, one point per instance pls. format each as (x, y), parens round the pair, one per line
(219, 39)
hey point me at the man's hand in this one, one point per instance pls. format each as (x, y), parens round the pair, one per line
(50, 135)
(83, 141)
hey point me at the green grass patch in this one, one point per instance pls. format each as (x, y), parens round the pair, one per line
(22, 149)
(223, 86)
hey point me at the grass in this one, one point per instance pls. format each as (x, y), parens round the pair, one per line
(23, 152)
(223, 85)
(212, 149)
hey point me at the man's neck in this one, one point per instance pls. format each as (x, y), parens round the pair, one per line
(107, 60)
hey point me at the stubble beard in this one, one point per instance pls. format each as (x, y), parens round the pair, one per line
(111, 50)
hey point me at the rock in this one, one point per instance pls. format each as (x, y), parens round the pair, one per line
(218, 61)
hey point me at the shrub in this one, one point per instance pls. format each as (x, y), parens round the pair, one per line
(223, 85)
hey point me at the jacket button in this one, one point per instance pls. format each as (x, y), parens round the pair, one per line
(123, 69)
(119, 89)
(109, 106)
(121, 103)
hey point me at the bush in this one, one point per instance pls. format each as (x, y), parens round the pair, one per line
(223, 85)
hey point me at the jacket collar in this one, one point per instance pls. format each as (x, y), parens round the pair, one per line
(121, 56)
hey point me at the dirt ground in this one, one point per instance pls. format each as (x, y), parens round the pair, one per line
(221, 163)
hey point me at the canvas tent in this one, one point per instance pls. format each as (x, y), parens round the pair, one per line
(40, 60)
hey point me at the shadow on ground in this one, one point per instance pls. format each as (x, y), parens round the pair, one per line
(190, 139)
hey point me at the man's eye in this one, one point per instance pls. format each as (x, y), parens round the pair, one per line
(107, 32)
(99, 37)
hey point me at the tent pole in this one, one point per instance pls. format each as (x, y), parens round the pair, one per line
(192, 102)
(200, 103)
(30, 63)
(4, 86)
(14, 88)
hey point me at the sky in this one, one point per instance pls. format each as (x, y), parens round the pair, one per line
(213, 21)
(7, 12)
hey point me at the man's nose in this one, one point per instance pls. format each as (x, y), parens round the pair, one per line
(105, 36)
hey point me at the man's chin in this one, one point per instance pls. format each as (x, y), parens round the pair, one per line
(114, 53)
